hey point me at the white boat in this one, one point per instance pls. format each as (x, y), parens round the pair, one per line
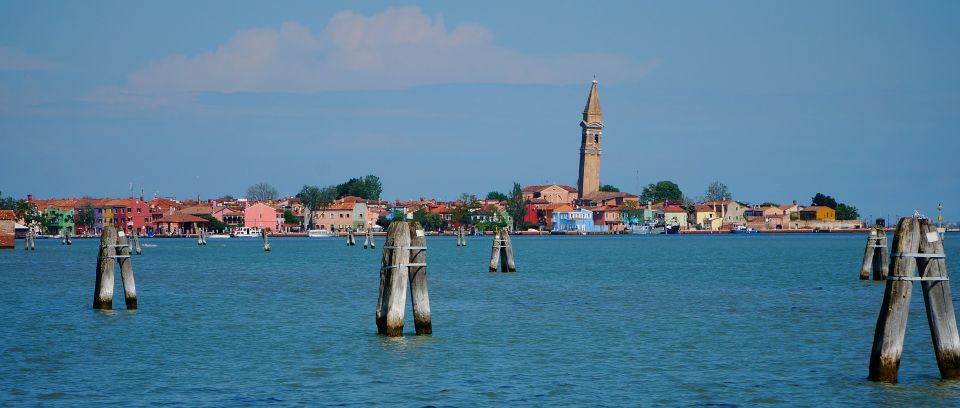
(316, 233)
(218, 236)
(645, 229)
(245, 232)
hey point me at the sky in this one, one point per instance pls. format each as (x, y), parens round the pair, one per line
(859, 100)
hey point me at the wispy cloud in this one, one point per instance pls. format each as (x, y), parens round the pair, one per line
(397, 48)
(12, 59)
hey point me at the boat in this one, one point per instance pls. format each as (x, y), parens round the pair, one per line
(245, 232)
(218, 236)
(740, 229)
(317, 233)
(646, 229)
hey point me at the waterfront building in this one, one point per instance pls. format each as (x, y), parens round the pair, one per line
(675, 215)
(59, 220)
(337, 217)
(262, 216)
(818, 213)
(579, 220)
(550, 193)
(731, 211)
(179, 223)
(8, 222)
(591, 130)
(608, 198)
(708, 217)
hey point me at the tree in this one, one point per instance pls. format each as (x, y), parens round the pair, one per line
(847, 212)
(824, 200)
(383, 221)
(289, 218)
(214, 224)
(261, 192)
(716, 191)
(609, 188)
(367, 187)
(662, 191)
(769, 204)
(630, 212)
(516, 205)
(311, 198)
(83, 215)
(496, 195)
(429, 220)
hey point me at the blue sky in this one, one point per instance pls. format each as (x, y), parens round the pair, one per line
(858, 100)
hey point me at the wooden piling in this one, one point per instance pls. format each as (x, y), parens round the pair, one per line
(103, 290)
(938, 301)
(266, 241)
(495, 253)
(892, 321)
(868, 255)
(875, 255)
(393, 279)
(502, 254)
(368, 239)
(126, 271)
(419, 294)
(507, 255)
(136, 242)
(350, 238)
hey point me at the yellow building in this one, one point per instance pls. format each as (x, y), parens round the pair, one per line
(818, 213)
(708, 217)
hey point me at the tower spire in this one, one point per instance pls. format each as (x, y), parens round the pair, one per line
(592, 112)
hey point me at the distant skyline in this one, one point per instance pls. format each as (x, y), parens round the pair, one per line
(859, 100)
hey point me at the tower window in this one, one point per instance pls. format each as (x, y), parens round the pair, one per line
(596, 138)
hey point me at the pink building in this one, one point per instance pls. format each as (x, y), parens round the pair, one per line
(261, 216)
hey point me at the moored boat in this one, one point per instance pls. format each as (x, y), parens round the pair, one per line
(316, 233)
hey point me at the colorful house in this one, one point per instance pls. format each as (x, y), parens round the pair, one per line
(551, 193)
(675, 215)
(708, 217)
(262, 216)
(818, 213)
(580, 220)
(59, 220)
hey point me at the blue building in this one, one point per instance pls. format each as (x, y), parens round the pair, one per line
(577, 220)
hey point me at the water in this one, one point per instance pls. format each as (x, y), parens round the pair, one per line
(626, 320)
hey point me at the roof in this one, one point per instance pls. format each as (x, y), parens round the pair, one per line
(540, 187)
(606, 195)
(704, 208)
(816, 208)
(340, 206)
(591, 111)
(8, 215)
(199, 209)
(180, 217)
(787, 206)
(674, 209)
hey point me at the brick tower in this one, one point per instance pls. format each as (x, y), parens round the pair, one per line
(591, 134)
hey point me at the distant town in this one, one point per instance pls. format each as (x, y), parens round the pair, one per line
(588, 208)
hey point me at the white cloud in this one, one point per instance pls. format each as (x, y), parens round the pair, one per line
(397, 48)
(12, 59)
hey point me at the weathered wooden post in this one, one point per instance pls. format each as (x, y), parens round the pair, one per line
(126, 271)
(266, 241)
(393, 279)
(66, 237)
(419, 295)
(915, 242)
(350, 239)
(136, 242)
(502, 254)
(200, 236)
(938, 301)
(368, 239)
(29, 241)
(875, 255)
(461, 236)
(103, 290)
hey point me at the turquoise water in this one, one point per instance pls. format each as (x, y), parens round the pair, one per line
(619, 320)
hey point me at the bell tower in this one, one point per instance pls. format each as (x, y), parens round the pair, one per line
(591, 135)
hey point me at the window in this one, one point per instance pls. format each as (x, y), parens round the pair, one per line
(138, 210)
(596, 138)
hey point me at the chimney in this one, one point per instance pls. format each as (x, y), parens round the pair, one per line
(29, 197)
(794, 202)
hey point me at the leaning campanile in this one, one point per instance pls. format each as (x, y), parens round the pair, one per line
(591, 133)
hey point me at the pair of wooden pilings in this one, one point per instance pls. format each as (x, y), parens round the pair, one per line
(114, 248)
(404, 259)
(502, 254)
(351, 240)
(461, 236)
(266, 241)
(368, 240)
(875, 255)
(916, 244)
(66, 237)
(30, 241)
(202, 237)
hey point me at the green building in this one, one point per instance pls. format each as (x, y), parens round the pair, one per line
(58, 220)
